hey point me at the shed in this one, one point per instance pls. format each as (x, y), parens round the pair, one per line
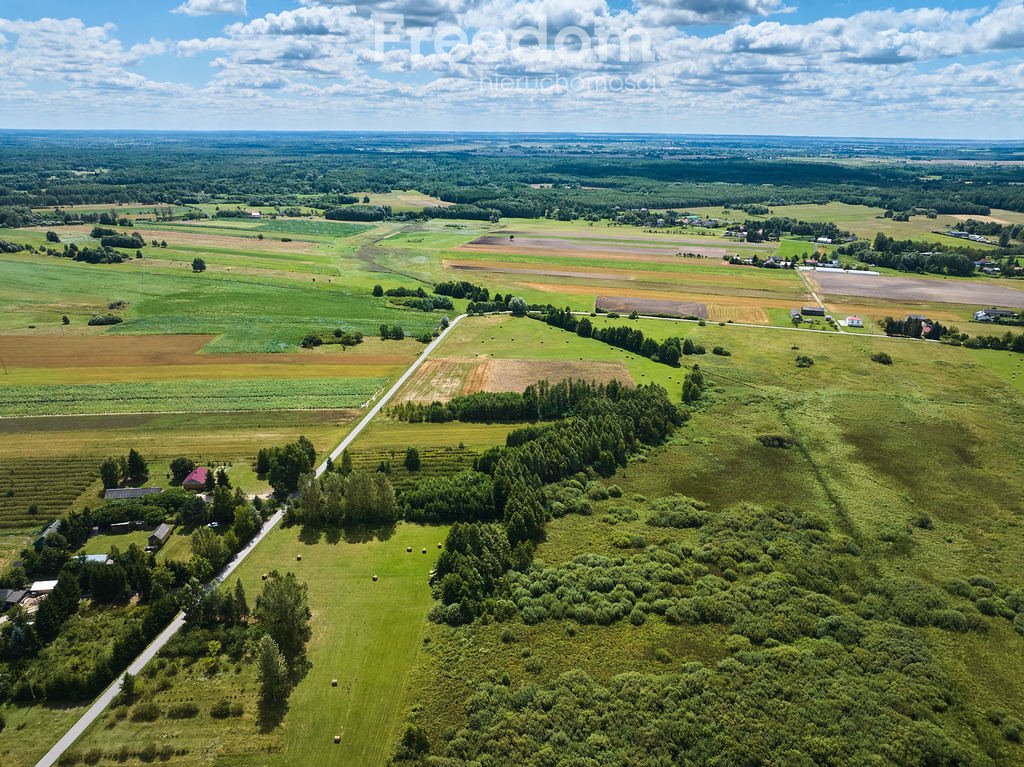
(196, 479)
(119, 528)
(10, 597)
(794, 314)
(813, 311)
(124, 493)
(51, 529)
(854, 322)
(42, 587)
(159, 537)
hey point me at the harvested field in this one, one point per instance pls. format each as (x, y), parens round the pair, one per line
(439, 380)
(735, 298)
(651, 252)
(981, 291)
(169, 350)
(627, 304)
(633, 236)
(750, 315)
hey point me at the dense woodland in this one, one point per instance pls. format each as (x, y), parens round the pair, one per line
(567, 178)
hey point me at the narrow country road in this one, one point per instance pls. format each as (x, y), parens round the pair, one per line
(108, 695)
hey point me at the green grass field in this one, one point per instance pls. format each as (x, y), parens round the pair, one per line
(366, 635)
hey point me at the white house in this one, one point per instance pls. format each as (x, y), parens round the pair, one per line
(854, 322)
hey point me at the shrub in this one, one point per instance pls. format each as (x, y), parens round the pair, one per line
(881, 358)
(803, 361)
(221, 709)
(105, 319)
(776, 440)
(146, 712)
(182, 711)
(721, 351)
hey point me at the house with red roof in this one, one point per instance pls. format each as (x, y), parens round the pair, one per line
(196, 479)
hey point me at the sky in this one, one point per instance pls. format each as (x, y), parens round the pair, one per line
(782, 67)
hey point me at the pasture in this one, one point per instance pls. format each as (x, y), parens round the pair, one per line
(366, 635)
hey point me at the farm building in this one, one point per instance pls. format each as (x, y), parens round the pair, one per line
(10, 597)
(854, 322)
(196, 480)
(51, 529)
(794, 314)
(988, 315)
(119, 528)
(159, 536)
(813, 311)
(125, 493)
(42, 587)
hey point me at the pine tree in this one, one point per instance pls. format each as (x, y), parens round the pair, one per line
(273, 670)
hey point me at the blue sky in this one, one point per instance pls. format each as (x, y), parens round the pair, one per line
(861, 68)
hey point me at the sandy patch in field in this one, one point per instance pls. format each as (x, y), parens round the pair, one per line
(163, 350)
(441, 379)
(986, 219)
(979, 291)
(627, 304)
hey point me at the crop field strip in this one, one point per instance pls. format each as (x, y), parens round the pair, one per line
(187, 396)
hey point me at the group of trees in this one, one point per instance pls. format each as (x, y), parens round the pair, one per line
(777, 227)
(596, 436)
(351, 499)
(129, 469)
(911, 256)
(111, 238)
(338, 336)
(463, 289)
(282, 466)
(913, 327)
(391, 333)
(543, 401)
(668, 352)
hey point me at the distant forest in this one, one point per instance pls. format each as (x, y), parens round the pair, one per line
(563, 176)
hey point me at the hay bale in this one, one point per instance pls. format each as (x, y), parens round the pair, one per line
(264, 576)
(439, 545)
(375, 579)
(334, 683)
(408, 549)
(424, 551)
(298, 557)
(337, 739)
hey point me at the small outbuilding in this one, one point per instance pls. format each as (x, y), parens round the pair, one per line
(10, 597)
(42, 587)
(794, 314)
(854, 322)
(159, 536)
(813, 311)
(196, 479)
(51, 529)
(126, 493)
(120, 528)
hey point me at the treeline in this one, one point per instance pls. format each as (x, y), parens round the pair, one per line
(596, 438)
(359, 213)
(542, 401)
(913, 327)
(910, 256)
(348, 499)
(463, 289)
(668, 352)
(777, 227)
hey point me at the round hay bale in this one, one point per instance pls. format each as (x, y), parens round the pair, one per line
(408, 549)
(337, 739)
(334, 683)
(298, 557)
(424, 551)
(264, 576)
(439, 545)
(375, 579)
